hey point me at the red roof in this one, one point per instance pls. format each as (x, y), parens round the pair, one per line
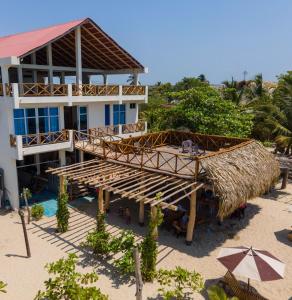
(22, 43)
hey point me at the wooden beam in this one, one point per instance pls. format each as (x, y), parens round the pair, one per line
(100, 200)
(107, 201)
(192, 217)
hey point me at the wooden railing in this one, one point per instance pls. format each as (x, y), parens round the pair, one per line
(134, 127)
(1, 89)
(8, 89)
(107, 132)
(38, 139)
(41, 89)
(44, 90)
(142, 157)
(95, 90)
(134, 90)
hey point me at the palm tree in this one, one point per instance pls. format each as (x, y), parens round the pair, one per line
(202, 78)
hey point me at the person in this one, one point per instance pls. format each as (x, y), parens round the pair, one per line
(127, 215)
(181, 224)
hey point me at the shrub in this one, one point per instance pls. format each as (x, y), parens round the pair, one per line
(69, 284)
(216, 292)
(2, 287)
(62, 213)
(37, 211)
(149, 246)
(178, 283)
(97, 241)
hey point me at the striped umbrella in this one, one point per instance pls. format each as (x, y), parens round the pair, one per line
(252, 263)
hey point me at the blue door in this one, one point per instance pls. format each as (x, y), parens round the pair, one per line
(107, 112)
(119, 114)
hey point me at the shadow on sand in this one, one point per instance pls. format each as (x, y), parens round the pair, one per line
(207, 237)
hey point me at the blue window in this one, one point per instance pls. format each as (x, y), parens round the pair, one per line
(107, 118)
(19, 121)
(36, 120)
(83, 118)
(119, 114)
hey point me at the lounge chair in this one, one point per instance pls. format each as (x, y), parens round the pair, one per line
(186, 146)
(239, 291)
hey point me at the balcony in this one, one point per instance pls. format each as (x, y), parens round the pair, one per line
(41, 142)
(63, 140)
(27, 93)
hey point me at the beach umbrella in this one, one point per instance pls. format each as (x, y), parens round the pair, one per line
(252, 263)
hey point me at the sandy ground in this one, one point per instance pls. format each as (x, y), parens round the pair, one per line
(265, 226)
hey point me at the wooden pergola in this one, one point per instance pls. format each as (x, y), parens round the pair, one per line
(140, 185)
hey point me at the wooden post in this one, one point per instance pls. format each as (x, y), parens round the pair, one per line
(141, 213)
(21, 214)
(100, 200)
(285, 178)
(139, 281)
(107, 201)
(153, 216)
(61, 184)
(192, 218)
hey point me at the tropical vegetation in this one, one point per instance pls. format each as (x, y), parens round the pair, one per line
(248, 108)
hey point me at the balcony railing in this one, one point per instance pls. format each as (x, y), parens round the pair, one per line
(47, 90)
(38, 139)
(134, 127)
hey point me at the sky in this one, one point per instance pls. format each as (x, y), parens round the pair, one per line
(218, 38)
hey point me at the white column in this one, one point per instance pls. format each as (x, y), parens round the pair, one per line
(62, 157)
(5, 77)
(78, 55)
(50, 63)
(136, 78)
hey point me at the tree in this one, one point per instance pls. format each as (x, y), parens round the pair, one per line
(63, 213)
(67, 283)
(149, 246)
(203, 110)
(179, 283)
(188, 83)
(202, 78)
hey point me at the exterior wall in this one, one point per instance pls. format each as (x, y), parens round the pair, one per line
(7, 156)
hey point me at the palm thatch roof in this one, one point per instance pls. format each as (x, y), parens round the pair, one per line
(241, 174)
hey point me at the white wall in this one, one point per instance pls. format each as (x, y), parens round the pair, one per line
(7, 162)
(96, 114)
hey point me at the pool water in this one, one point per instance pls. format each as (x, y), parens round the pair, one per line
(50, 204)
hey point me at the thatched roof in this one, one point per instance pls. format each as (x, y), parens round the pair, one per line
(244, 173)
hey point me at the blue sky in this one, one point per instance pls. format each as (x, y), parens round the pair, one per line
(220, 38)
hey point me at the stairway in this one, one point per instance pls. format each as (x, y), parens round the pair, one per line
(77, 190)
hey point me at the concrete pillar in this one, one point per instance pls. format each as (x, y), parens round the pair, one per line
(78, 55)
(5, 77)
(136, 78)
(192, 218)
(62, 157)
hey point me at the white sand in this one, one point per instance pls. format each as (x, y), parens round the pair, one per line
(264, 227)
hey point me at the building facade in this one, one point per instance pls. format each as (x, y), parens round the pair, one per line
(55, 83)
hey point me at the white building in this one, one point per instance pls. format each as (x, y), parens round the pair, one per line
(47, 91)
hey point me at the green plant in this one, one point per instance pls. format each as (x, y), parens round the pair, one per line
(62, 213)
(2, 287)
(67, 283)
(37, 211)
(149, 246)
(98, 242)
(178, 283)
(215, 292)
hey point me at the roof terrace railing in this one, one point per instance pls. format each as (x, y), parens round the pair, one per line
(53, 90)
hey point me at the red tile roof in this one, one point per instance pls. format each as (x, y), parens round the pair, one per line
(22, 43)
